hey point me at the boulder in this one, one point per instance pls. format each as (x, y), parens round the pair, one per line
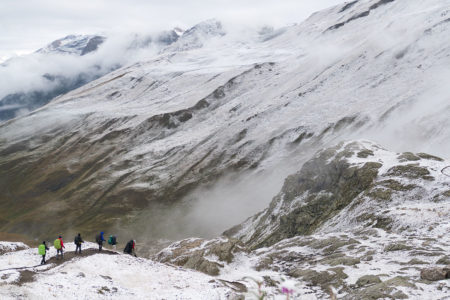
(368, 280)
(416, 261)
(435, 274)
(397, 247)
(197, 262)
(201, 255)
(410, 171)
(383, 290)
(408, 156)
(345, 260)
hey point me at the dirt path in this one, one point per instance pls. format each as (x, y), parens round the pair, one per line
(27, 274)
(71, 255)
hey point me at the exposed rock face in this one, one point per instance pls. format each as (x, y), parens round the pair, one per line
(382, 290)
(325, 185)
(397, 247)
(368, 280)
(341, 186)
(202, 255)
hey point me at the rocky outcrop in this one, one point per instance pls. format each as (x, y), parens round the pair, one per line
(354, 183)
(201, 255)
(345, 222)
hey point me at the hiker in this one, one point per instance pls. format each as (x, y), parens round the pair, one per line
(100, 239)
(78, 241)
(130, 248)
(42, 249)
(112, 241)
(59, 245)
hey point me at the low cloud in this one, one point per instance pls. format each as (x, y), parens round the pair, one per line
(56, 19)
(24, 74)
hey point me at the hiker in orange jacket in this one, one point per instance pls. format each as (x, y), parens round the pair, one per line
(59, 247)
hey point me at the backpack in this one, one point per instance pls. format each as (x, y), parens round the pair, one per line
(41, 249)
(128, 247)
(57, 244)
(112, 240)
(97, 238)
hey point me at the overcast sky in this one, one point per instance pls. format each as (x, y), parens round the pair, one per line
(26, 25)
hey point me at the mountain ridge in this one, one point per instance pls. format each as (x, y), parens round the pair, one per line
(140, 139)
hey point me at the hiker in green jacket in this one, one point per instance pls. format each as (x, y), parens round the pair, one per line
(42, 249)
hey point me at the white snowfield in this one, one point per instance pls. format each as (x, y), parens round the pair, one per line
(102, 276)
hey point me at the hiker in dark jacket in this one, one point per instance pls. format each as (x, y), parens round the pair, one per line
(130, 248)
(78, 241)
(43, 251)
(100, 239)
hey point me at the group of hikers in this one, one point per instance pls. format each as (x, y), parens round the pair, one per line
(78, 241)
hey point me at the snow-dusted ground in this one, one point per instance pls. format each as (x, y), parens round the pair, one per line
(121, 276)
(103, 276)
(383, 263)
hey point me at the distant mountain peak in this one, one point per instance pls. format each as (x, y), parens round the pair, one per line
(211, 27)
(74, 44)
(195, 36)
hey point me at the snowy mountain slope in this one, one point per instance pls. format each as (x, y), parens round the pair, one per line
(61, 67)
(122, 151)
(358, 218)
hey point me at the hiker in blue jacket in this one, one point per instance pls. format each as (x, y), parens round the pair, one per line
(100, 239)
